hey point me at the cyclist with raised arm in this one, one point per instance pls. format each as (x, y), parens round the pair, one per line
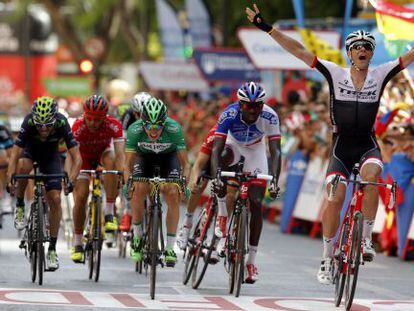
(101, 142)
(130, 116)
(155, 141)
(242, 128)
(38, 141)
(355, 98)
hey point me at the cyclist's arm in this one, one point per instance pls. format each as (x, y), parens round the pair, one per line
(291, 45)
(119, 147)
(199, 164)
(130, 157)
(76, 162)
(185, 165)
(408, 58)
(218, 147)
(14, 157)
(275, 157)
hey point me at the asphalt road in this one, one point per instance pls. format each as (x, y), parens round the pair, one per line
(287, 267)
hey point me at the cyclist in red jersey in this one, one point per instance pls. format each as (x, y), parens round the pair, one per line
(101, 142)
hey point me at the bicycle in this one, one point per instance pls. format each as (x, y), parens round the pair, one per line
(236, 240)
(153, 238)
(348, 249)
(37, 228)
(198, 245)
(93, 233)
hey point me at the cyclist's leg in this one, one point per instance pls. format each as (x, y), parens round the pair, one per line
(142, 168)
(371, 168)
(24, 166)
(340, 163)
(110, 184)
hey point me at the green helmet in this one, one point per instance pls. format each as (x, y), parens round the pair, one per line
(44, 110)
(154, 111)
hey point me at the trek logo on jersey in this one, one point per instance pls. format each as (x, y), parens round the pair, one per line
(227, 114)
(370, 94)
(155, 147)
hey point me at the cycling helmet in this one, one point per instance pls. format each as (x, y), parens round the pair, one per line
(251, 92)
(154, 111)
(138, 100)
(95, 105)
(357, 36)
(44, 110)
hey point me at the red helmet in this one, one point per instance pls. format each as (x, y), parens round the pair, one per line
(96, 105)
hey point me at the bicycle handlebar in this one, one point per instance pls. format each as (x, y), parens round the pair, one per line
(338, 178)
(103, 172)
(248, 176)
(40, 176)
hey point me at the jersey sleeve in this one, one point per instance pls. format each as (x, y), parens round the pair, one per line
(132, 139)
(117, 131)
(326, 68)
(178, 139)
(387, 71)
(23, 136)
(126, 120)
(68, 135)
(207, 146)
(224, 122)
(273, 126)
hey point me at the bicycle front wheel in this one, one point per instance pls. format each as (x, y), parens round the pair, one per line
(98, 241)
(354, 260)
(339, 273)
(39, 241)
(240, 251)
(154, 251)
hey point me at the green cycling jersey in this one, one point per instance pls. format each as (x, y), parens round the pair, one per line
(171, 138)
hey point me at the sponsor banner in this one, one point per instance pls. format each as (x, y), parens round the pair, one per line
(199, 23)
(173, 76)
(68, 86)
(225, 65)
(172, 36)
(266, 53)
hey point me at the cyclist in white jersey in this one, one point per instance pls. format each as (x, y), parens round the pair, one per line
(242, 128)
(354, 100)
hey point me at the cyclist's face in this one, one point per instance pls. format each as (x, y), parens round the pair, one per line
(153, 131)
(44, 131)
(251, 111)
(93, 123)
(361, 53)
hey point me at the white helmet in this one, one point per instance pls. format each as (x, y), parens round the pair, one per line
(359, 35)
(138, 100)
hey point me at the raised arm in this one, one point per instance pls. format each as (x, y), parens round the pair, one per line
(291, 45)
(408, 58)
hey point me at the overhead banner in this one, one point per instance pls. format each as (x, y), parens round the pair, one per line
(266, 53)
(200, 24)
(172, 36)
(173, 76)
(225, 65)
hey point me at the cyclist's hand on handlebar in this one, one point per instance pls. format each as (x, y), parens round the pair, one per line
(274, 190)
(218, 186)
(69, 187)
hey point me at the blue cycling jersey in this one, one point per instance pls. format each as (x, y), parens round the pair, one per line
(230, 122)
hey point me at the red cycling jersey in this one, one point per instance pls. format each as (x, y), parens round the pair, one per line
(207, 146)
(93, 144)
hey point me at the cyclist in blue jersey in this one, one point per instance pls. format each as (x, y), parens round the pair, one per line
(241, 129)
(354, 100)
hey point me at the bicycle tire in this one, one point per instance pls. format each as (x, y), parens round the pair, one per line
(198, 279)
(240, 252)
(339, 275)
(98, 241)
(231, 243)
(33, 263)
(39, 241)
(355, 255)
(31, 244)
(154, 251)
(189, 259)
(89, 243)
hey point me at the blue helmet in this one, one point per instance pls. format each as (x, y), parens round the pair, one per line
(251, 92)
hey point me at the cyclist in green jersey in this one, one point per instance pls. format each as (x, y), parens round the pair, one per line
(155, 141)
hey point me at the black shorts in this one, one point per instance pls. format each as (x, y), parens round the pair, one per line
(348, 150)
(167, 163)
(48, 164)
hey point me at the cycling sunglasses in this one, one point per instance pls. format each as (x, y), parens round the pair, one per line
(150, 126)
(357, 46)
(252, 105)
(45, 125)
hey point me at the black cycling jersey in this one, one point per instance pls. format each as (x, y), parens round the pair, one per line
(128, 118)
(29, 137)
(355, 111)
(6, 138)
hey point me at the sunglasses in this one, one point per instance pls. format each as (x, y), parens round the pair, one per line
(44, 125)
(367, 46)
(156, 126)
(252, 105)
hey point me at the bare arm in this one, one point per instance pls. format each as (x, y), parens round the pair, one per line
(408, 58)
(129, 163)
(199, 164)
(291, 45)
(14, 157)
(218, 147)
(185, 165)
(275, 158)
(76, 162)
(119, 147)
